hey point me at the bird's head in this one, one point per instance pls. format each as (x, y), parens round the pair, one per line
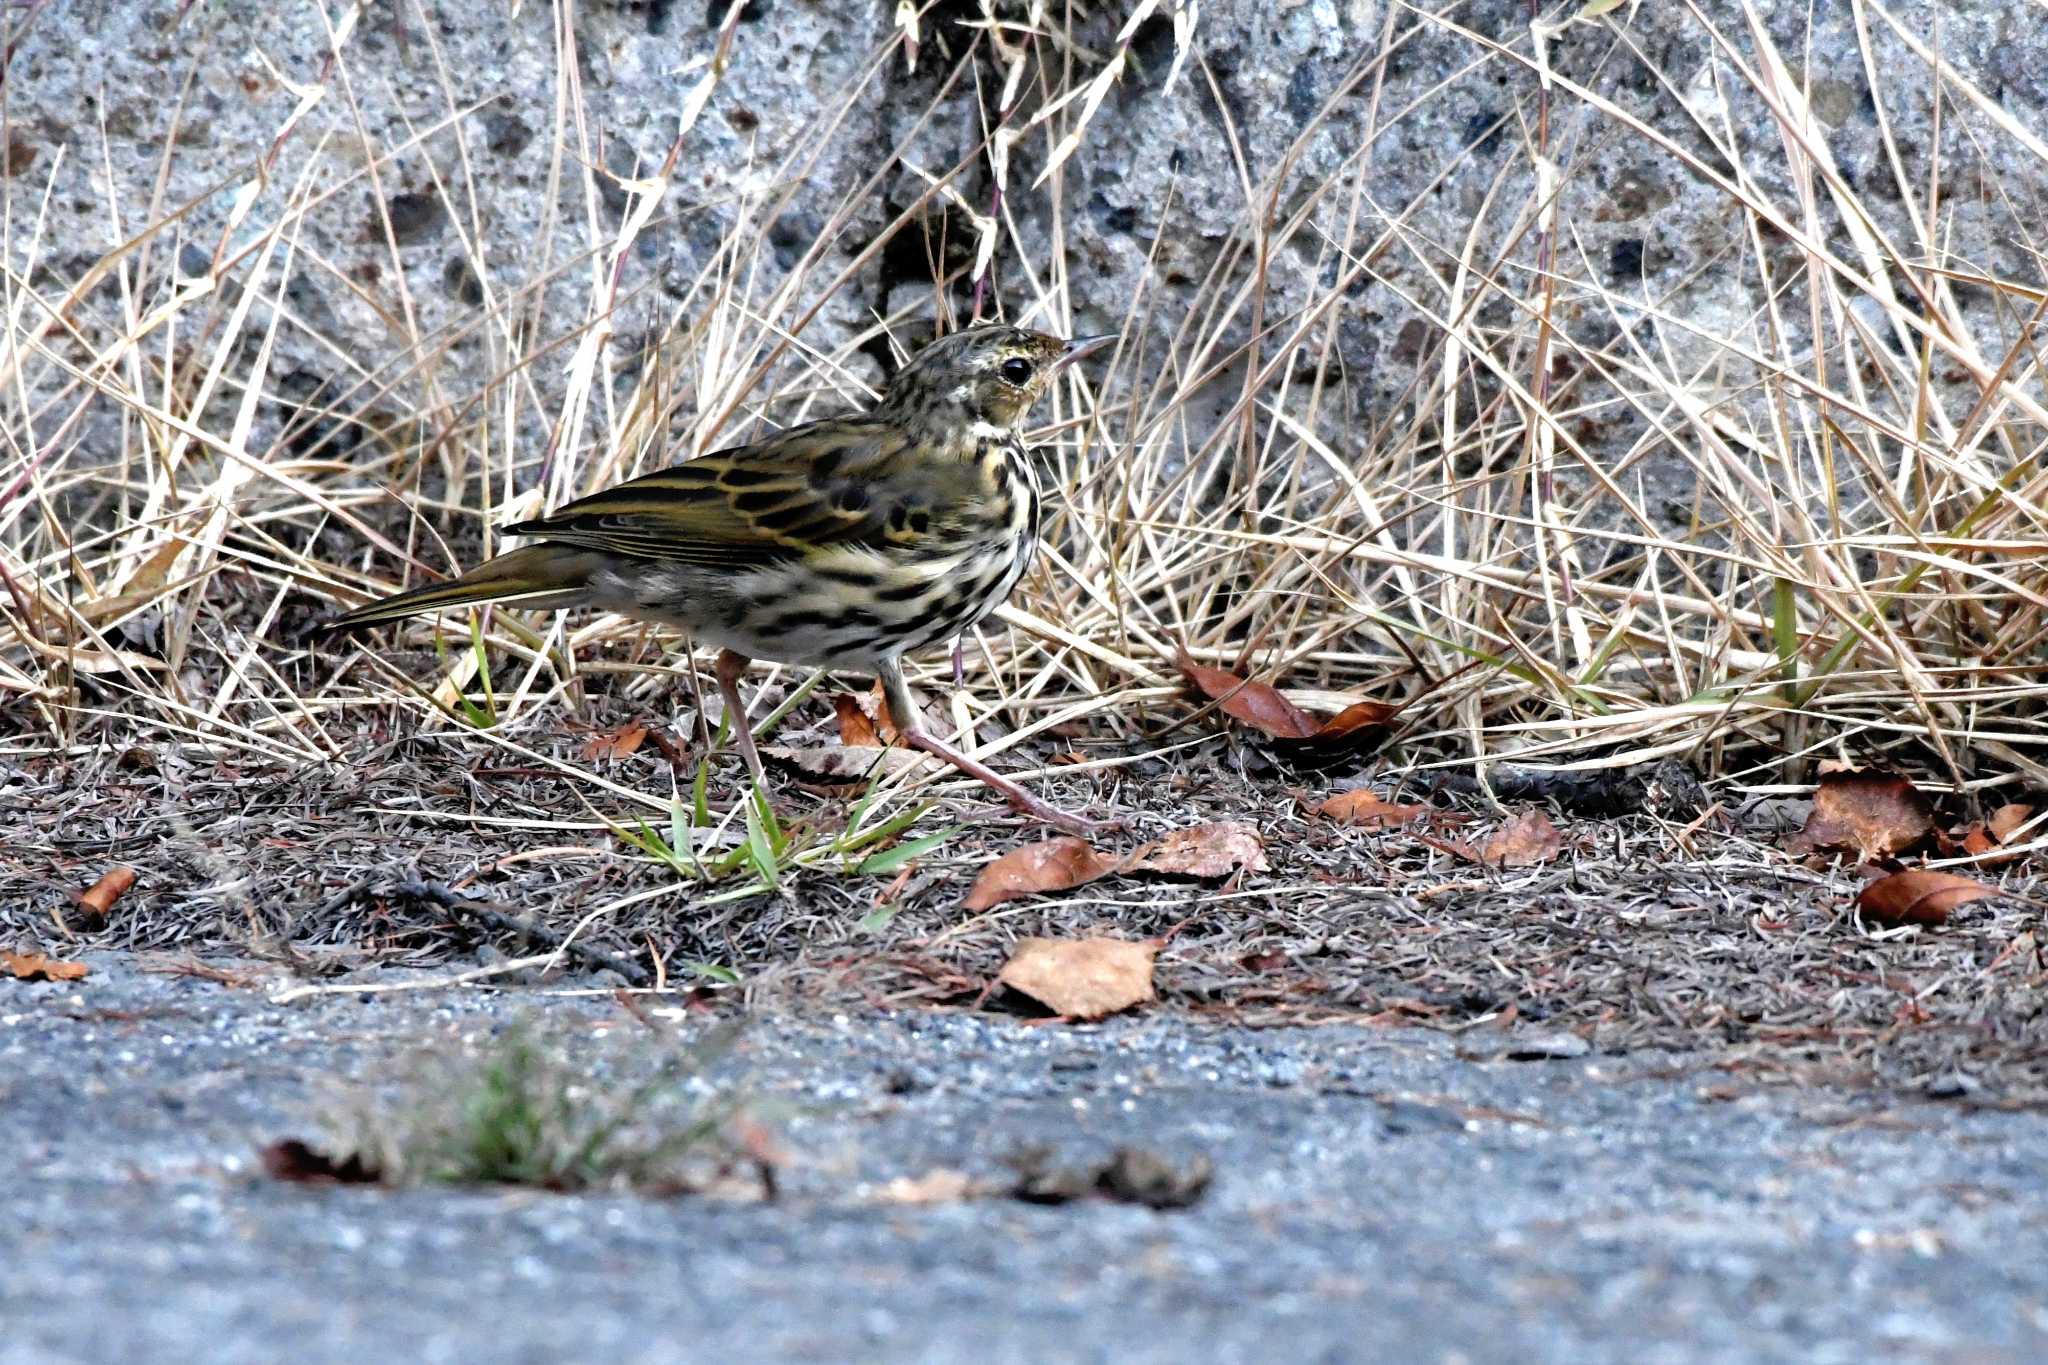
(984, 376)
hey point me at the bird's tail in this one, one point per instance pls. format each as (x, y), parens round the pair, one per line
(532, 576)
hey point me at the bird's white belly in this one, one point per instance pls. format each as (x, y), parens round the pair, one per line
(854, 613)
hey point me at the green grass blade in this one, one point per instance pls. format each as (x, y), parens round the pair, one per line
(889, 859)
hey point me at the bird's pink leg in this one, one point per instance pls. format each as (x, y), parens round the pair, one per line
(728, 670)
(903, 711)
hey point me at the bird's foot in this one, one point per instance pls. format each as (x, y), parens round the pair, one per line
(1029, 806)
(1022, 801)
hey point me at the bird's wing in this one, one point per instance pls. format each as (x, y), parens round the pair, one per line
(826, 483)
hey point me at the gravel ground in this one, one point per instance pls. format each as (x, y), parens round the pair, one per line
(1378, 1194)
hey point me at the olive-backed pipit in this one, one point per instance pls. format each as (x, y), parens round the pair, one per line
(839, 544)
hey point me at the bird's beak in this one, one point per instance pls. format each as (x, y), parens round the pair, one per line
(1079, 347)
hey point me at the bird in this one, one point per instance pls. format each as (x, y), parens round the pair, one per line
(840, 544)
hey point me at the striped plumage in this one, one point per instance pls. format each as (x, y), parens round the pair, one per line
(843, 543)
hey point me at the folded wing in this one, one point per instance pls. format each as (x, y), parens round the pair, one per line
(830, 483)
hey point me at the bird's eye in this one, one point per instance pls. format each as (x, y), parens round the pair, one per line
(1016, 370)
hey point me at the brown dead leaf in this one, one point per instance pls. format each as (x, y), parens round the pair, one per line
(1526, 840)
(863, 720)
(1982, 839)
(1292, 729)
(1049, 865)
(99, 898)
(856, 727)
(1084, 978)
(1919, 896)
(1871, 812)
(1212, 850)
(2007, 820)
(1364, 807)
(36, 967)
(1218, 849)
(842, 764)
(301, 1163)
(1361, 725)
(614, 744)
(1256, 704)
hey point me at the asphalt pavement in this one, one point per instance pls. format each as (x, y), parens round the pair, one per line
(1377, 1195)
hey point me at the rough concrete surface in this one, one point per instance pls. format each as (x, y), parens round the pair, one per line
(1377, 1196)
(1425, 121)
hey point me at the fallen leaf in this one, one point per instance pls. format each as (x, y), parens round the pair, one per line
(1211, 850)
(2007, 820)
(1919, 897)
(1872, 812)
(1363, 806)
(1982, 839)
(1218, 849)
(864, 719)
(36, 967)
(616, 743)
(299, 1162)
(843, 763)
(1083, 978)
(99, 898)
(1526, 840)
(1049, 865)
(1256, 704)
(1291, 729)
(1352, 728)
(856, 727)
